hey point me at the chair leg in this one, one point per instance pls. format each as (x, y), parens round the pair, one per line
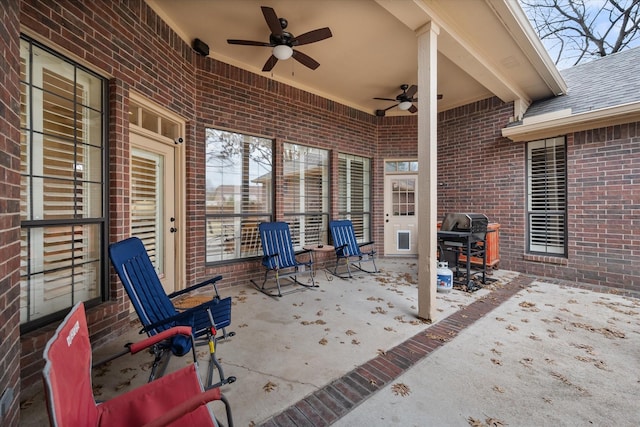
(215, 364)
(347, 265)
(278, 284)
(161, 360)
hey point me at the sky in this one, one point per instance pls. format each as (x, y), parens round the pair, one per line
(601, 25)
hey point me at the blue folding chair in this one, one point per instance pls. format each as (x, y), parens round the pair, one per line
(348, 249)
(158, 313)
(280, 259)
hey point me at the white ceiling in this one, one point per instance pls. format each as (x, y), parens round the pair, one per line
(484, 48)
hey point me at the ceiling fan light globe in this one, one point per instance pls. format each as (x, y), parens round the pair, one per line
(282, 52)
(405, 105)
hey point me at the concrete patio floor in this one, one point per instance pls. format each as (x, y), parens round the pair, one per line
(520, 351)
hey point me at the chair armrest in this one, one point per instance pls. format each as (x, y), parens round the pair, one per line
(155, 339)
(266, 258)
(133, 348)
(185, 407)
(211, 281)
(365, 244)
(184, 315)
(340, 249)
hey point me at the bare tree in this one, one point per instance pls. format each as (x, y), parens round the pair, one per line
(575, 30)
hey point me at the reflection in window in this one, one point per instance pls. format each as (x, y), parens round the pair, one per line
(354, 194)
(239, 193)
(305, 192)
(61, 196)
(400, 166)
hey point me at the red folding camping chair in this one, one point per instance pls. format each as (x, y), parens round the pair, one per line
(177, 399)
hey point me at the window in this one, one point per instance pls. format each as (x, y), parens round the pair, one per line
(546, 196)
(62, 197)
(239, 193)
(354, 193)
(305, 192)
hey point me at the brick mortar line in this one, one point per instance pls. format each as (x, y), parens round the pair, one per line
(450, 327)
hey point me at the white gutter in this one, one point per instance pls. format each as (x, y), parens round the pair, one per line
(539, 129)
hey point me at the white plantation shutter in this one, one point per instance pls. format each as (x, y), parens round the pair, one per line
(305, 193)
(354, 190)
(546, 182)
(146, 203)
(61, 183)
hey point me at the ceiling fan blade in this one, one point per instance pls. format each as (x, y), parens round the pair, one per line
(389, 108)
(271, 62)
(312, 36)
(412, 91)
(386, 99)
(413, 109)
(247, 42)
(305, 60)
(272, 20)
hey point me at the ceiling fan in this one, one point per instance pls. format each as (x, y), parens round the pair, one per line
(405, 101)
(283, 41)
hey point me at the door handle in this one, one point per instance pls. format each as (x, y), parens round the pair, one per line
(173, 229)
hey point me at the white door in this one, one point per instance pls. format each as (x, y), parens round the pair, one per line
(153, 204)
(401, 214)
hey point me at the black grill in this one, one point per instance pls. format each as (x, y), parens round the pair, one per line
(464, 234)
(467, 222)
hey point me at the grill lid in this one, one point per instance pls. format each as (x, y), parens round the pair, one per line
(474, 222)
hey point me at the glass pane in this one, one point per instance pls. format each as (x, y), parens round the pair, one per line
(60, 158)
(306, 179)
(149, 121)
(225, 169)
(90, 88)
(134, 115)
(147, 190)
(25, 198)
(546, 184)
(91, 202)
(239, 193)
(169, 129)
(90, 127)
(391, 167)
(308, 229)
(231, 238)
(59, 266)
(89, 163)
(403, 197)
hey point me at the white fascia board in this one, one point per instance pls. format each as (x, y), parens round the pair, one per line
(538, 129)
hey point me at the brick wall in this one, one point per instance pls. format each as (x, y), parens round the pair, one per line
(9, 209)
(237, 100)
(480, 171)
(129, 43)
